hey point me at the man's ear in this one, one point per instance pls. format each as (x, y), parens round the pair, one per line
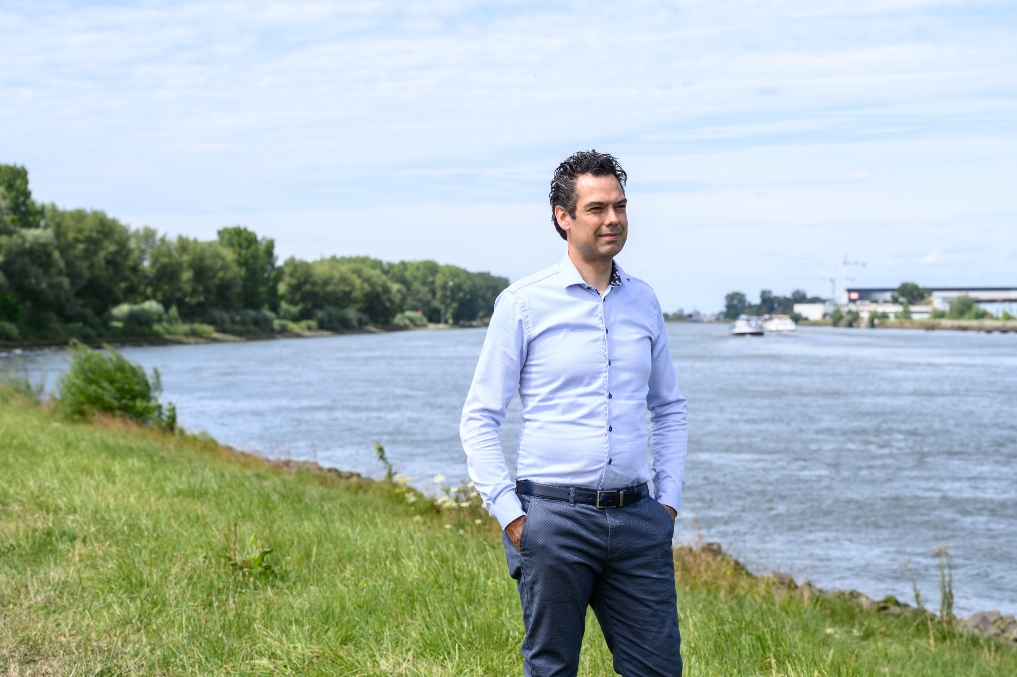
(562, 217)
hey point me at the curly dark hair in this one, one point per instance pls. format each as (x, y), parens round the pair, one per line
(563, 185)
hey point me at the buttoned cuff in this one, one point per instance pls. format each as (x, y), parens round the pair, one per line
(507, 509)
(670, 494)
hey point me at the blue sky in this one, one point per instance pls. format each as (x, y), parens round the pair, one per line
(764, 140)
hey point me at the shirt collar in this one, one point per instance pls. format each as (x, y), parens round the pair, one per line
(570, 274)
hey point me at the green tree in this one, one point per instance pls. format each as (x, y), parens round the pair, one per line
(32, 277)
(488, 287)
(99, 258)
(417, 279)
(193, 276)
(734, 305)
(457, 294)
(910, 293)
(17, 208)
(964, 308)
(315, 286)
(377, 297)
(333, 284)
(256, 258)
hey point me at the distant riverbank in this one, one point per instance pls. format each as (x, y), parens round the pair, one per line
(8, 347)
(987, 326)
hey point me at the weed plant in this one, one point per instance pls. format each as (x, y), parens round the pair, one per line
(128, 551)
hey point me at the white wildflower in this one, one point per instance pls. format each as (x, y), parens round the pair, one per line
(411, 498)
(478, 521)
(448, 526)
(438, 479)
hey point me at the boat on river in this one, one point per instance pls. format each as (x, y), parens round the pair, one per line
(747, 325)
(779, 324)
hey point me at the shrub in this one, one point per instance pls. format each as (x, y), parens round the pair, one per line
(409, 319)
(836, 317)
(851, 319)
(288, 311)
(334, 319)
(242, 321)
(129, 317)
(875, 319)
(9, 331)
(110, 383)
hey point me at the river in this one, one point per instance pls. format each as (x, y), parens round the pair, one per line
(832, 454)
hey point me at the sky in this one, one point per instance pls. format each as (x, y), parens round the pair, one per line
(766, 142)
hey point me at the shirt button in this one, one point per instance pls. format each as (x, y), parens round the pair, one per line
(609, 396)
(609, 363)
(607, 330)
(610, 428)
(609, 461)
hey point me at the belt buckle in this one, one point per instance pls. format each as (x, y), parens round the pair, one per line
(609, 491)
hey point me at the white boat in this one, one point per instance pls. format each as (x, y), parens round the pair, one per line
(779, 323)
(747, 325)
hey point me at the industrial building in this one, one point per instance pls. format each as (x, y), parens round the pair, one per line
(869, 300)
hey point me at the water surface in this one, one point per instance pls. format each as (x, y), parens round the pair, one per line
(831, 453)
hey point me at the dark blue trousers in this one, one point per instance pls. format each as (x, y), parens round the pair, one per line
(617, 561)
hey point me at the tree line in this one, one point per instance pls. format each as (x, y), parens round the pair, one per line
(736, 303)
(76, 272)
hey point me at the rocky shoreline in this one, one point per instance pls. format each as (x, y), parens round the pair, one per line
(985, 623)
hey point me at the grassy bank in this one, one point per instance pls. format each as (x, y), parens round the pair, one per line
(129, 551)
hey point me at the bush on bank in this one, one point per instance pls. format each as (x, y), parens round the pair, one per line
(109, 383)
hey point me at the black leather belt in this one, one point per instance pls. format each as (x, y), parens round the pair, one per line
(608, 498)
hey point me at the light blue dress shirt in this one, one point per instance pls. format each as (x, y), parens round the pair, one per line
(587, 368)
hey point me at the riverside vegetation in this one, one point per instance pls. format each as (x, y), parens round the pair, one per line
(128, 548)
(83, 274)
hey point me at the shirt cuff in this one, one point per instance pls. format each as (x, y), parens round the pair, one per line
(670, 494)
(507, 509)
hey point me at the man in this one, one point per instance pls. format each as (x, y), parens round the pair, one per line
(584, 344)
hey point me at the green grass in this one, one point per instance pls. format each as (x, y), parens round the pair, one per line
(118, 556)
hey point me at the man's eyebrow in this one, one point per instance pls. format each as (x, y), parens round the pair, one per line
(599, 203)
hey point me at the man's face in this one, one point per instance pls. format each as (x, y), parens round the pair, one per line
(601, 225)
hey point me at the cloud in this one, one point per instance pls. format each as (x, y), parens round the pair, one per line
(930, 258)
(737, 116)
